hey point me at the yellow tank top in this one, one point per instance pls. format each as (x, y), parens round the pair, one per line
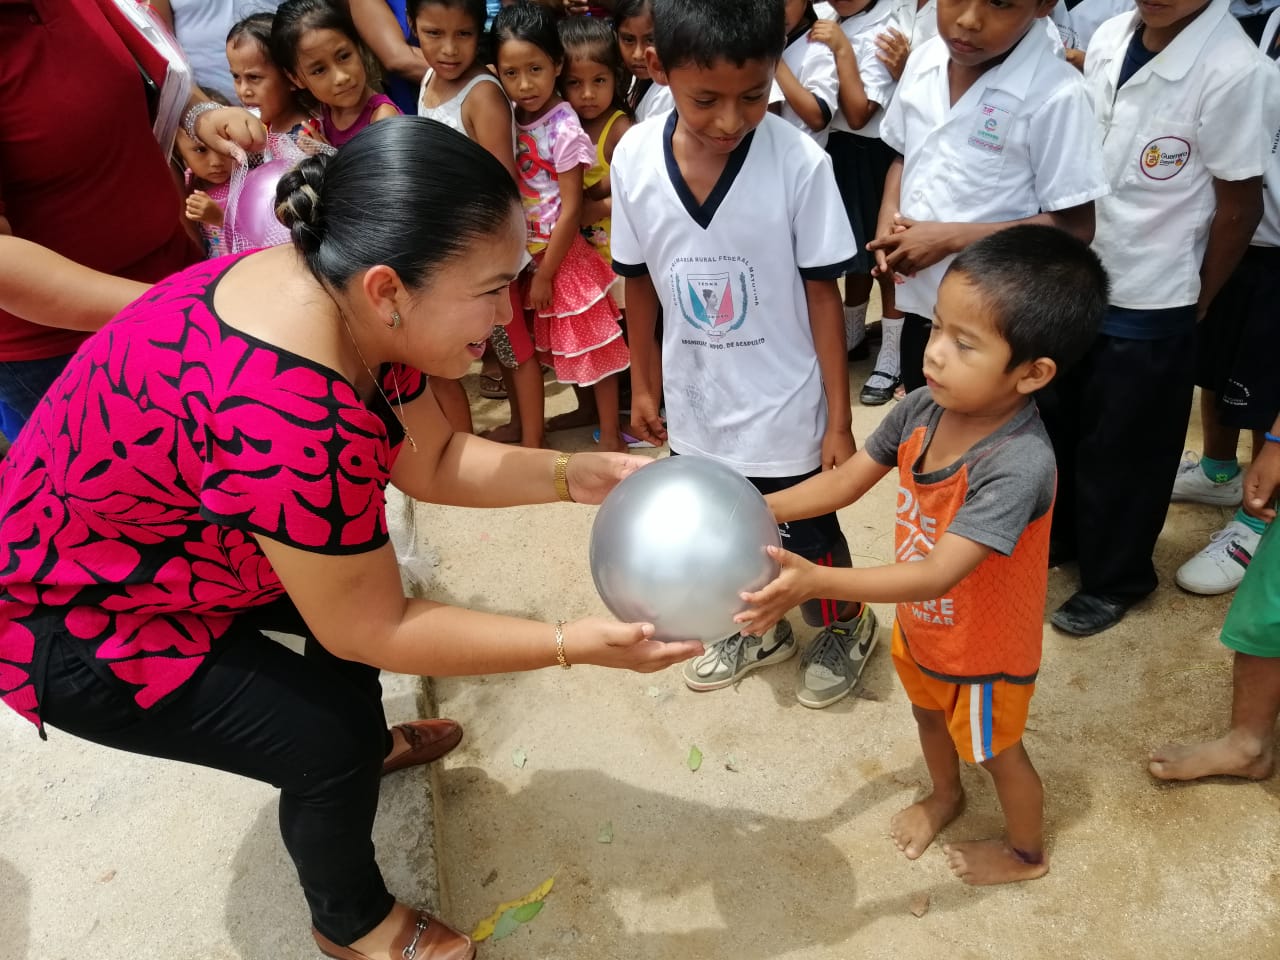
(598, 233)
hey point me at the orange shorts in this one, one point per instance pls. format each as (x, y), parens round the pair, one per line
(983, 718)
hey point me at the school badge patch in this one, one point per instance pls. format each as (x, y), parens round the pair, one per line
(1164, 157)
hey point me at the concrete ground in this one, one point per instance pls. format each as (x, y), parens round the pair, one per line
(776, 847)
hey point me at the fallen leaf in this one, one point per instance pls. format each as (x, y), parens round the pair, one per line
(484, 929)
(919, 905)
(519, 758)
(528, 911)
(731, 764)
(506, 925)
(605, 835)
(491, 876)
(695, 759)
(107, 877)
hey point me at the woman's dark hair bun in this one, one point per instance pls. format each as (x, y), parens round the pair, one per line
(298, 204)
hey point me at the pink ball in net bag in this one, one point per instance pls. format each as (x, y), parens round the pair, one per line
(251, 202)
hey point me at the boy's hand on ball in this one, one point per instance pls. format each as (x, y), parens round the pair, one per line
(770, 604)
(608, 643)
(592, 475)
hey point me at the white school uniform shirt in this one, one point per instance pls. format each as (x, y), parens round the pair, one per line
(657, 99)
(739, 368)
(1268, 232)
(1088, 15)
(919, 23)
(814, 65)
(862, 29)
(1193, 114)
(1020, 141)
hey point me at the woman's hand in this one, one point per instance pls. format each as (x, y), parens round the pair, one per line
(630, 646)
(592, 475)
(232, 131)
(770, 604)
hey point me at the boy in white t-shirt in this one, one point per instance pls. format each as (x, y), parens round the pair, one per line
(993, 129)
(1179, 93)
(728, 218)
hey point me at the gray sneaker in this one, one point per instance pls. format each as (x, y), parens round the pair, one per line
(831, 666)
(732, 658)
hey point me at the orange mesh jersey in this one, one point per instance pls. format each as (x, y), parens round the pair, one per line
(989, 626)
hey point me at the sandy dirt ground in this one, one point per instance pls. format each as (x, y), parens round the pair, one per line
(777, 846)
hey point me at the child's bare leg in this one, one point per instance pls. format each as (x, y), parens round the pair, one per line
(1247, 749)
(1021, 855)
(584, 416)
(453, 402)
(606, 394)
(914, 828)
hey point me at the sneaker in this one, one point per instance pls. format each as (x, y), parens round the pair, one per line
(732, 658)
(831, 666)
(1192, 486)
(1220, 566)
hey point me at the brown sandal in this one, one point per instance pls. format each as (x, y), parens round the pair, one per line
(423, 938)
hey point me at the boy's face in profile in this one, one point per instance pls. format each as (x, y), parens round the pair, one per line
(978, 31)
(719, 105)
(966, 361)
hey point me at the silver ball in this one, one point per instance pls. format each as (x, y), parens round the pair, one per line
(677, 542)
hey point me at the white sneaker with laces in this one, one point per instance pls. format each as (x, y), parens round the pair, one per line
(1192, 486)
(1220, 566)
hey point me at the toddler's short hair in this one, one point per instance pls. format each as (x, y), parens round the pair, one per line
(1047, 289)
(702, 32)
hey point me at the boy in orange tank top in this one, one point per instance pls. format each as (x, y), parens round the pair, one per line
(976, 481)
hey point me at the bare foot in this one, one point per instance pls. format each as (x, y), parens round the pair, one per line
(572, 420)
(914, 828)
(507, 433)
(981, 863)
(1230, 756)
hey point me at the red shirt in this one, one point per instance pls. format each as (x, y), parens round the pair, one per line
(80, 171)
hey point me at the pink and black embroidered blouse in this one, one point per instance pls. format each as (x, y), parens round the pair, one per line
(130, 501)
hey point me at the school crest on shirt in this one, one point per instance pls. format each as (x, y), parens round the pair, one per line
(1164, 157)
(713, 295)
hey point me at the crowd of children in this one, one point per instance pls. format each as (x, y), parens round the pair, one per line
(1070, 214)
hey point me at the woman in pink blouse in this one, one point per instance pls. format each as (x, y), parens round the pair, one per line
(214, 462)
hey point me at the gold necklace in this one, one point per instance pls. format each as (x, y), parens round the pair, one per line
(378, 386)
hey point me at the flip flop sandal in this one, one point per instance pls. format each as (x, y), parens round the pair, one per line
(492, 388)
(633, 442)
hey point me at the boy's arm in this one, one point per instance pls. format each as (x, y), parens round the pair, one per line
(44, 287)
(913, 245)
(826, 321)
(803, 101)
(1238, 213)
(646, 360)
(829, 490)
(953, 559)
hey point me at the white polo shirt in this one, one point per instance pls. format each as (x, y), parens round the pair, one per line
(1020, 141)
(814, 65)
(739, 368)
(862, 29)
(1268, 232)
(1088, 15)
(1191, 115)
(657, 99)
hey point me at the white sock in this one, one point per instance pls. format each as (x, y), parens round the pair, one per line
(889, 361)
(855, 325)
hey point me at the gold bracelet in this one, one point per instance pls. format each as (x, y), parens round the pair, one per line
(561, 478)
(560, 657)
